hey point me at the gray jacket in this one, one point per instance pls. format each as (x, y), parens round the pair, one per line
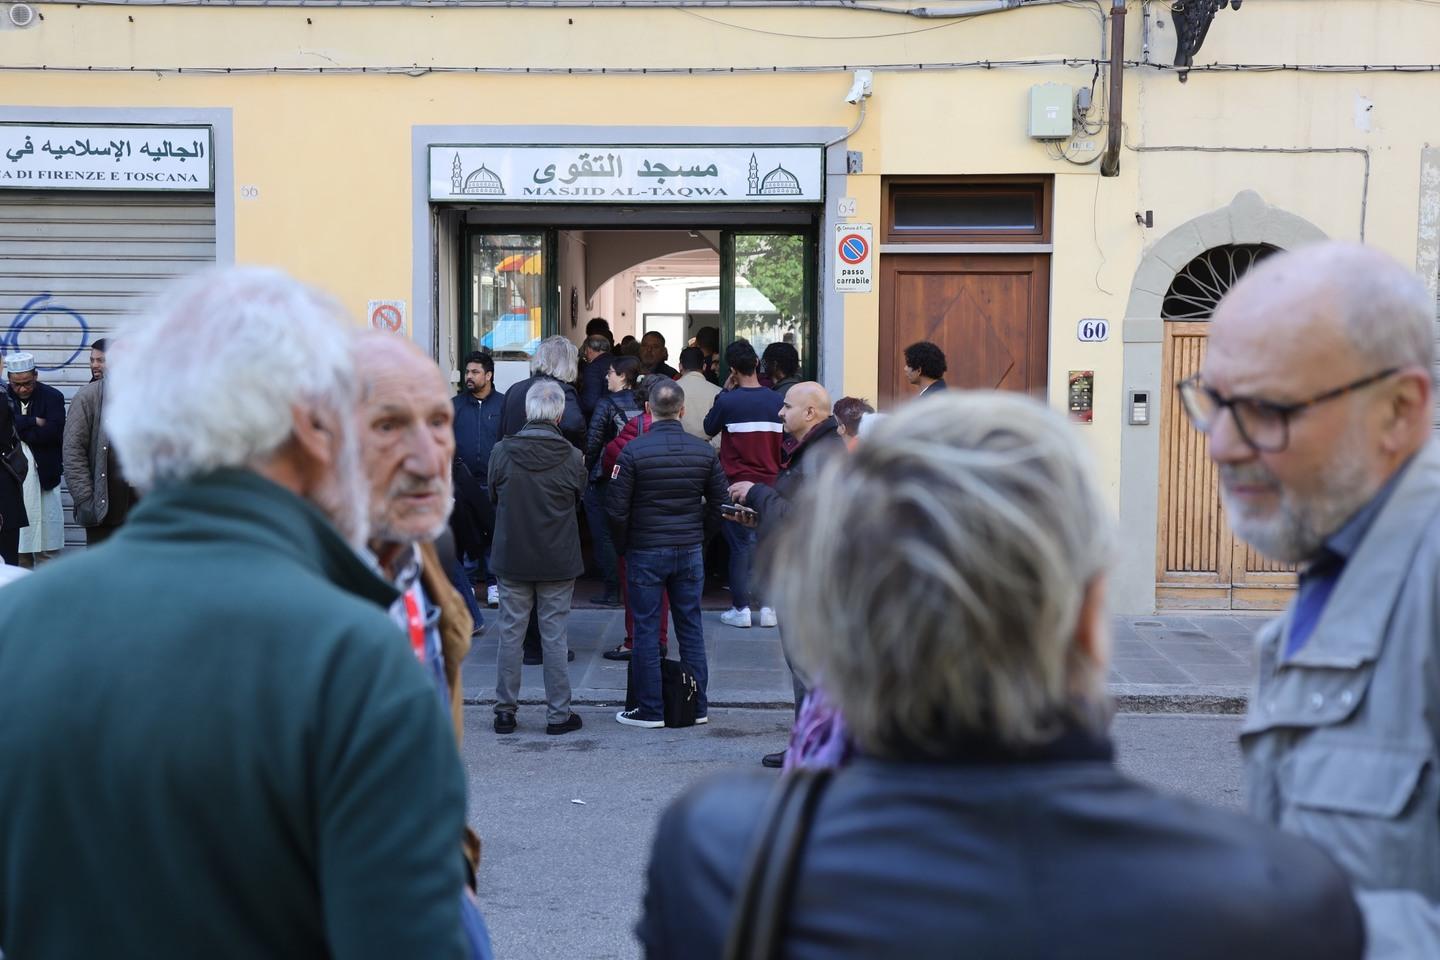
(85, 454)
(1341, 740)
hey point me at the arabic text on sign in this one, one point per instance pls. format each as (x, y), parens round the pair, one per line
(117, 149)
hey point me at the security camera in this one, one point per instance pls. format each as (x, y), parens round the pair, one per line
(861, 88)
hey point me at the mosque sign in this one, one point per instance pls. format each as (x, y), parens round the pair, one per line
(65, 156)
(580, 173)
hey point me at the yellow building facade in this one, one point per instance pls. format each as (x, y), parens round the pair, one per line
(480, 174)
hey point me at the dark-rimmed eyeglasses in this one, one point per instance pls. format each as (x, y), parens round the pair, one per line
(1263, 424)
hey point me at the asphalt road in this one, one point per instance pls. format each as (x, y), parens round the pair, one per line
(563, 879)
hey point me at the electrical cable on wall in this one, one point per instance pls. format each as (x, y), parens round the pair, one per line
(419, 71)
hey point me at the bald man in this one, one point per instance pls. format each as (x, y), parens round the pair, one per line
(1315, 394)
(408, 443)
(805, 413)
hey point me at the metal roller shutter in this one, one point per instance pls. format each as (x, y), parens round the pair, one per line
(75, 266)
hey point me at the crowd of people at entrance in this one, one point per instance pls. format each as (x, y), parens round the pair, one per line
(652, 464)
(243, 743)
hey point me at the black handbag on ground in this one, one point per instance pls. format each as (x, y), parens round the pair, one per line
(767, 887)
(679, 689)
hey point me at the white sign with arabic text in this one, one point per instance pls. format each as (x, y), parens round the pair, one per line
(62, 156)
(630, 174)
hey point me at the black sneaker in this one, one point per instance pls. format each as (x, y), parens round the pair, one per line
(569, 726)
(632, 718)
(773, 760)
(504, 723)
(619, 653)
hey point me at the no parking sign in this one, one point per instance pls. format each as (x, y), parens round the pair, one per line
(388, 316)
(854, 256)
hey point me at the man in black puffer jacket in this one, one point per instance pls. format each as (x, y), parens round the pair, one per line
(664, 488)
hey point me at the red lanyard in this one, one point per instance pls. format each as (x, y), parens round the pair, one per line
(417, 625)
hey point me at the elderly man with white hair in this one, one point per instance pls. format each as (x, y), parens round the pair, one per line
(1316, 396)
(226, 749)
(557, 361)
(984, 815)
(536, 481)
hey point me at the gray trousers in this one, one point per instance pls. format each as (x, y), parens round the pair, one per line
(551, 601)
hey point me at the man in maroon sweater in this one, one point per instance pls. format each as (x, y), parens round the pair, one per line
(747, 418)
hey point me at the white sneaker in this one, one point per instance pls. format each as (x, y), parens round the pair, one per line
(492, 595)
(736, 618)
(631, 718)
(767, 617)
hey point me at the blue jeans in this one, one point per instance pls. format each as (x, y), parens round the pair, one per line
(742, 555)
(648, 574)
(600, 536)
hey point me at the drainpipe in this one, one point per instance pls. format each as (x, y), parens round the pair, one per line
(1110, 165)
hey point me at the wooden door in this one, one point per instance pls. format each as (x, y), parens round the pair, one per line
(989, 313)
(1200, 563)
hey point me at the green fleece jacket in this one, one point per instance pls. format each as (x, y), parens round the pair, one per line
(215, 743)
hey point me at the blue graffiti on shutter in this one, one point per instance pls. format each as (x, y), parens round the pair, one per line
(41, 305)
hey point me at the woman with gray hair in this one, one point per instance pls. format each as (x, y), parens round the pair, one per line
(555, 359)
(945, 583)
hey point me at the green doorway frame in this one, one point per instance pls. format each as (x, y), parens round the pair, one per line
(551, 307)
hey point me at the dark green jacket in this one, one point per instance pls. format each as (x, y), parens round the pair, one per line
(536, 481)
(214, 743)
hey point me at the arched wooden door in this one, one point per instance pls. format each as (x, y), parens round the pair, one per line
(1201, 564)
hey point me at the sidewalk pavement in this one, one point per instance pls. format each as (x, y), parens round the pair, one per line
(1198, 663)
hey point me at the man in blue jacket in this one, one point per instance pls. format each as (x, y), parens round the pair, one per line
(479, 416)
(40, 420)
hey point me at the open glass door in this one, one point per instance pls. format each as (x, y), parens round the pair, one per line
(767, 291)
(507, 299)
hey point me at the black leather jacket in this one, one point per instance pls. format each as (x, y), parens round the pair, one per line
(1028, 857)
(610, 416)
(667, 485)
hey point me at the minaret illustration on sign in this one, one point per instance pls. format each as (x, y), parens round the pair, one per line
(754, 176)
(455, 184)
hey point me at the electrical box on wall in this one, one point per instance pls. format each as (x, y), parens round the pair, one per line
(1052, 111)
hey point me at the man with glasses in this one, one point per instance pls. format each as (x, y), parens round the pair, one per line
(1316, 395)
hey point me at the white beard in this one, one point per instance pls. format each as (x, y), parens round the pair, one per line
(381, 532)
(1296, 529)
(345, 499)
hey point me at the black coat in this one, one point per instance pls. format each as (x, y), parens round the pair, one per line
(472, 520)
(1050, 856)
(536, 481)
(572, 424)
(774, 503)
(609, 418)
(667, 486)
(12, 497)
(48, 404)
(592, 384)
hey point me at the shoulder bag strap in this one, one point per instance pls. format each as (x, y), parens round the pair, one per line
(762, 900)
